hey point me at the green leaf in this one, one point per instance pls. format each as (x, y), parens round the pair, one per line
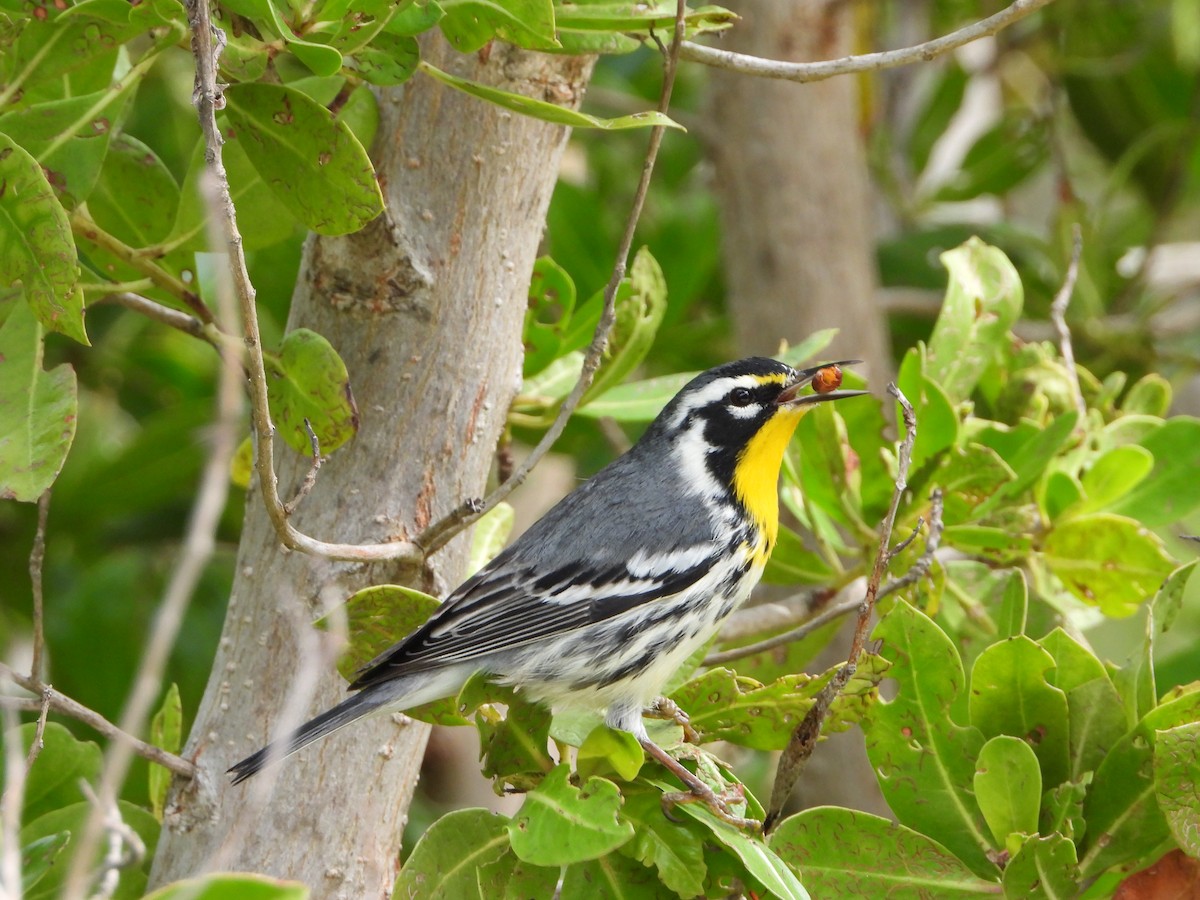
(490, 535)
(547, 112)
(983, 300)
(1151, 396)
(1008, 787)
(1010, 695)
(760, 860)
(37, 858)
(1124, 821)
(311, 161)
(934, 117)
(1028, 456)
(933, 407)
(53, 780)
(641, 303)
(1112, 476)
(311, 383)
(551, 305)
(1172, 490)
(508, 878)
(72, 819)
(725, 706)
(1062, 809)
(1097, 717)
(1043, 869)
(37, 409)
(924, 758)
(469, 24)
(166, 731)
(390, 59)
(560, 824)
(513, 747)
(675, 849)
(606, 751)
(242, 886)
(37, 250)
(1014, 608)
(611, 877)
(445, 861)
(75, 165)
(793, 563)
(968, 476)
(656, 15)
(376, 618)
(1001, 158)
(847, 853)
(1168, 602)
(1176, 781)
(1107, 561)
(136, 198)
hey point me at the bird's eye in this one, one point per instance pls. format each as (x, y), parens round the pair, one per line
(741, 396)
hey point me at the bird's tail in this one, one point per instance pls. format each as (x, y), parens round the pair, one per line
(396, 694)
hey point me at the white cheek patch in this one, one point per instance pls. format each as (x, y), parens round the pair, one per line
(711, 393)
(745, 412)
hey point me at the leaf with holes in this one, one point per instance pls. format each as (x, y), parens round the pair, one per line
(310, 382)
(449, 856)
(560, 824)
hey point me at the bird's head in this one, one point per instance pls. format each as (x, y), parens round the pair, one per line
(729, 428)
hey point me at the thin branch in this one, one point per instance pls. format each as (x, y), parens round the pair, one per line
(1058, 315)
(83, 226)
(37, 561)
(807, 627)
(164, 315)
(197, 549)
(439, 533)
(920, 568)
(125, 846)
(39, 732)
(804, 739)
(64, 705)
(786, 613)
(867, 62)
(310, 479)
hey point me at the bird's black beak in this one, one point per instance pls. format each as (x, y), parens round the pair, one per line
(791, 396)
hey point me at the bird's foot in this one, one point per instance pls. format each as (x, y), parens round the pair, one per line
(720, 804)
(668, 710)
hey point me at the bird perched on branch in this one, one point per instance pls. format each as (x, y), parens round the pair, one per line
(601, 600)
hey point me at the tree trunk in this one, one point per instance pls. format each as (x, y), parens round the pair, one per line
(792, 184)
(798, 247)
(426, 306)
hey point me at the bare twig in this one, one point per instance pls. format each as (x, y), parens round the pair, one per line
(310, 479)
(920, 568)
(439, 533)
(125, 846)
(1058, 315)
(807, 627)
(173, 318)
(804, 739)
(867, 62)
(39, 732)
(64, 705)
(198, 545)
(37, 561)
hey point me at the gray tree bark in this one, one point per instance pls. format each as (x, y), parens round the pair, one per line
(798, 246)
(791, 178)
(426, 306)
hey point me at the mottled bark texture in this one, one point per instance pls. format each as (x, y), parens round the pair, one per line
(791, 178)
(798, 246)
(426, 306)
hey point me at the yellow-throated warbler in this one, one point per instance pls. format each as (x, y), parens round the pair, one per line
(602, 599)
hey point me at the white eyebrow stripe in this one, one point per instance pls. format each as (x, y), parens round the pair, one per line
(711, 392)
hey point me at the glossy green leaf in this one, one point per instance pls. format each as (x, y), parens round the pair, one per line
(1059, 493)
(445, 861)
(1028, 456)
(606, 751)
(1008, 787)
(560, 824)
(71, 166)
(933, 407)
(611, 877)
(311, 383)
(136, 197)
(1123, 818)
(377, 617)
(1177, 783)
(547, 112)
(508, 878)
(1172, 490)
(513, 746)
(1062, 809)
(656, 15)
(320, 58)
(1014, 608)
(1151, 396)
(240, 886)
(73, 819)
(37, 250)
(968, 476)
(1043, 869)
(389, 59)
(1096, 714)
(38, 409)
(490, 535)
(847, 853)
(551, 306)
(1168, 602)
(53, 780)
(1112, 476)
(1107, 561)
(469, 24)
(925, 759)
(38, 857)
(982, 302)
(675, 849)
(1010, 695)
(166, 732)
(312, 162)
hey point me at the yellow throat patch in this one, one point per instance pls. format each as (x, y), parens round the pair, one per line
(756, 475)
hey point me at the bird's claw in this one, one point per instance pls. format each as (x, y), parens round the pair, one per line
(719, 804)
(668, 710)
